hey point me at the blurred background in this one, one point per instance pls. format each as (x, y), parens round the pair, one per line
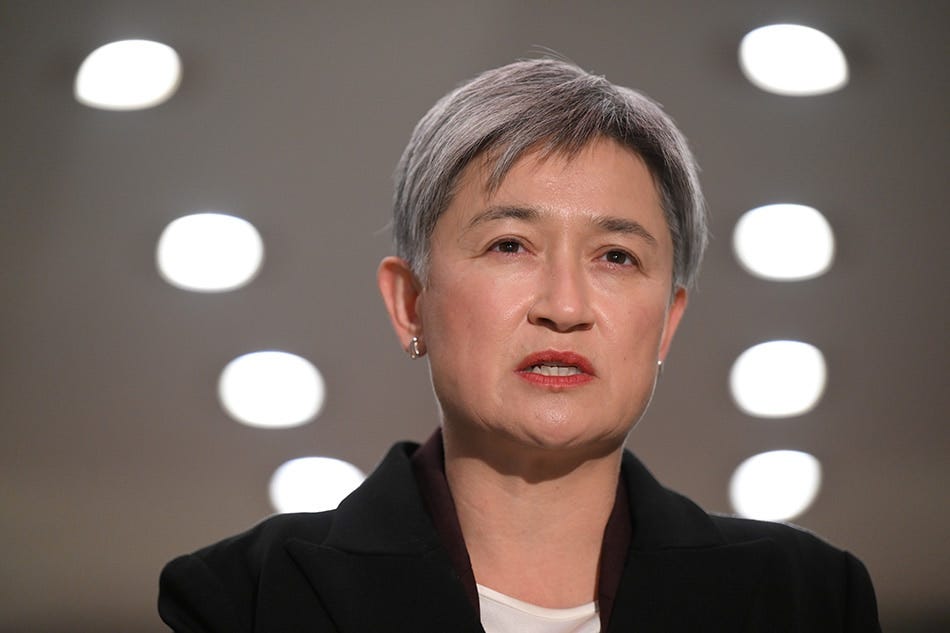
(116, 454)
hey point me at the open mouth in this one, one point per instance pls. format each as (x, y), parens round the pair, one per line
(554, 370)
(553, 367)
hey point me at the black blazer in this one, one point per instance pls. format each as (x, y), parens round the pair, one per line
(376, 565)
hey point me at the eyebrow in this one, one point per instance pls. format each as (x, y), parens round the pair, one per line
(612, 224)
(607, 223)
(526, 214)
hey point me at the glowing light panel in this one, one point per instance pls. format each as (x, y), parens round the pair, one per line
(128, 75)
(775, 486)
(792, 60)
(784, 242)
(209, 252)
(778, 379)
(313, 484)
(271, 389)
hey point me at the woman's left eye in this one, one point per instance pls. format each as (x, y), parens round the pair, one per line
(621, 258)
(507, 246)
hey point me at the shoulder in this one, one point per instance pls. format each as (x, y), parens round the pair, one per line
(216, 587)
(663, 518)
(799, 577)
(272, 532)
(736, 530)
(818, 577)
(794, 543)
(262, 577)
(243, 555)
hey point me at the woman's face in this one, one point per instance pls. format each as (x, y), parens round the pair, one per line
(548, 301)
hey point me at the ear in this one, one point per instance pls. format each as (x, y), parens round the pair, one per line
(400, 290)
(673, 315)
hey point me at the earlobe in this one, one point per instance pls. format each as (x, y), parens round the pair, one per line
(400, 290)
(673, 316)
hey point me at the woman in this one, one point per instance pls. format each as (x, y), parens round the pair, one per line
(548, 227)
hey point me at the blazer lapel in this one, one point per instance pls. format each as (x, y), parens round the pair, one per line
(680, 574)
(368, 594)
(382, 566)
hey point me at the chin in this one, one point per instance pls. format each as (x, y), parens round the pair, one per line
(574, 436)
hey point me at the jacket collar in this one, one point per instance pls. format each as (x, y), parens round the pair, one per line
(680, 573)
(383, 568)
(663, 519)
(386, 514)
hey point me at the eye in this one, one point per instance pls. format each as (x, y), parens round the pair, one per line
(620, 258)
(507, 246)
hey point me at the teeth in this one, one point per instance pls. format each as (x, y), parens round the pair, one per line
(555, 370)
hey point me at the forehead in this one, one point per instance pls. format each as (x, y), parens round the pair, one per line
(603, 178)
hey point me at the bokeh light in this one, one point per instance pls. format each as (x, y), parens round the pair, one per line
(209, 252)
(128, 75)
(776, 485)
(792, 60)
(271, 389)
(778, 379)
(313, 484)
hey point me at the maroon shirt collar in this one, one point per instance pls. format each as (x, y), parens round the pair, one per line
(428, 463)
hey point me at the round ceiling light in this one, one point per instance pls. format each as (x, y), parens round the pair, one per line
(778, 379)
(776, 485)
(792, 60)
(784, 242)
(128, 75)
(271, 389)
(209, 252)
(313, 484)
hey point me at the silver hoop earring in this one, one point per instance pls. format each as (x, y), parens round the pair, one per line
(659, 368)
(415, 348)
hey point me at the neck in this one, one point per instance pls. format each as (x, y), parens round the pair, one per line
(533, 519)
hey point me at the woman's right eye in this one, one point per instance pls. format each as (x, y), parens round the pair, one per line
(507, 246)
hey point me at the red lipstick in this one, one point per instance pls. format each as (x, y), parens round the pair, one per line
(552, 368)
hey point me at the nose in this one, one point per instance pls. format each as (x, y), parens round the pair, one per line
(562, 302)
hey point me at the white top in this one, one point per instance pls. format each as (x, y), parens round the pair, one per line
(504, 614)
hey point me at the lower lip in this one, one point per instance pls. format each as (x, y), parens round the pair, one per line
(574, 380)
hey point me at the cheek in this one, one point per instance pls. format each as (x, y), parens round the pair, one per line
(637, 333)
(454, 325)
(475, 304)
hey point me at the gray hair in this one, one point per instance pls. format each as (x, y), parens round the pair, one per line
(557, 107)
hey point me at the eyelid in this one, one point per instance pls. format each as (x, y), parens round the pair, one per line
(494, 245)
(634, 260)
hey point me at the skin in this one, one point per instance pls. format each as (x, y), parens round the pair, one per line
(567, 256)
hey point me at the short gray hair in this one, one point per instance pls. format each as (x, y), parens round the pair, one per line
(557, 107)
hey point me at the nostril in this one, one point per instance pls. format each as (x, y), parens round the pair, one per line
(562, 302)
(562, 325)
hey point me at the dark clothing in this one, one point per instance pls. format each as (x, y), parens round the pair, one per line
(428, 465)
(378, 564)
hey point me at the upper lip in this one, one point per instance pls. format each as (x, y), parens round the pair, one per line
(559, 358)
